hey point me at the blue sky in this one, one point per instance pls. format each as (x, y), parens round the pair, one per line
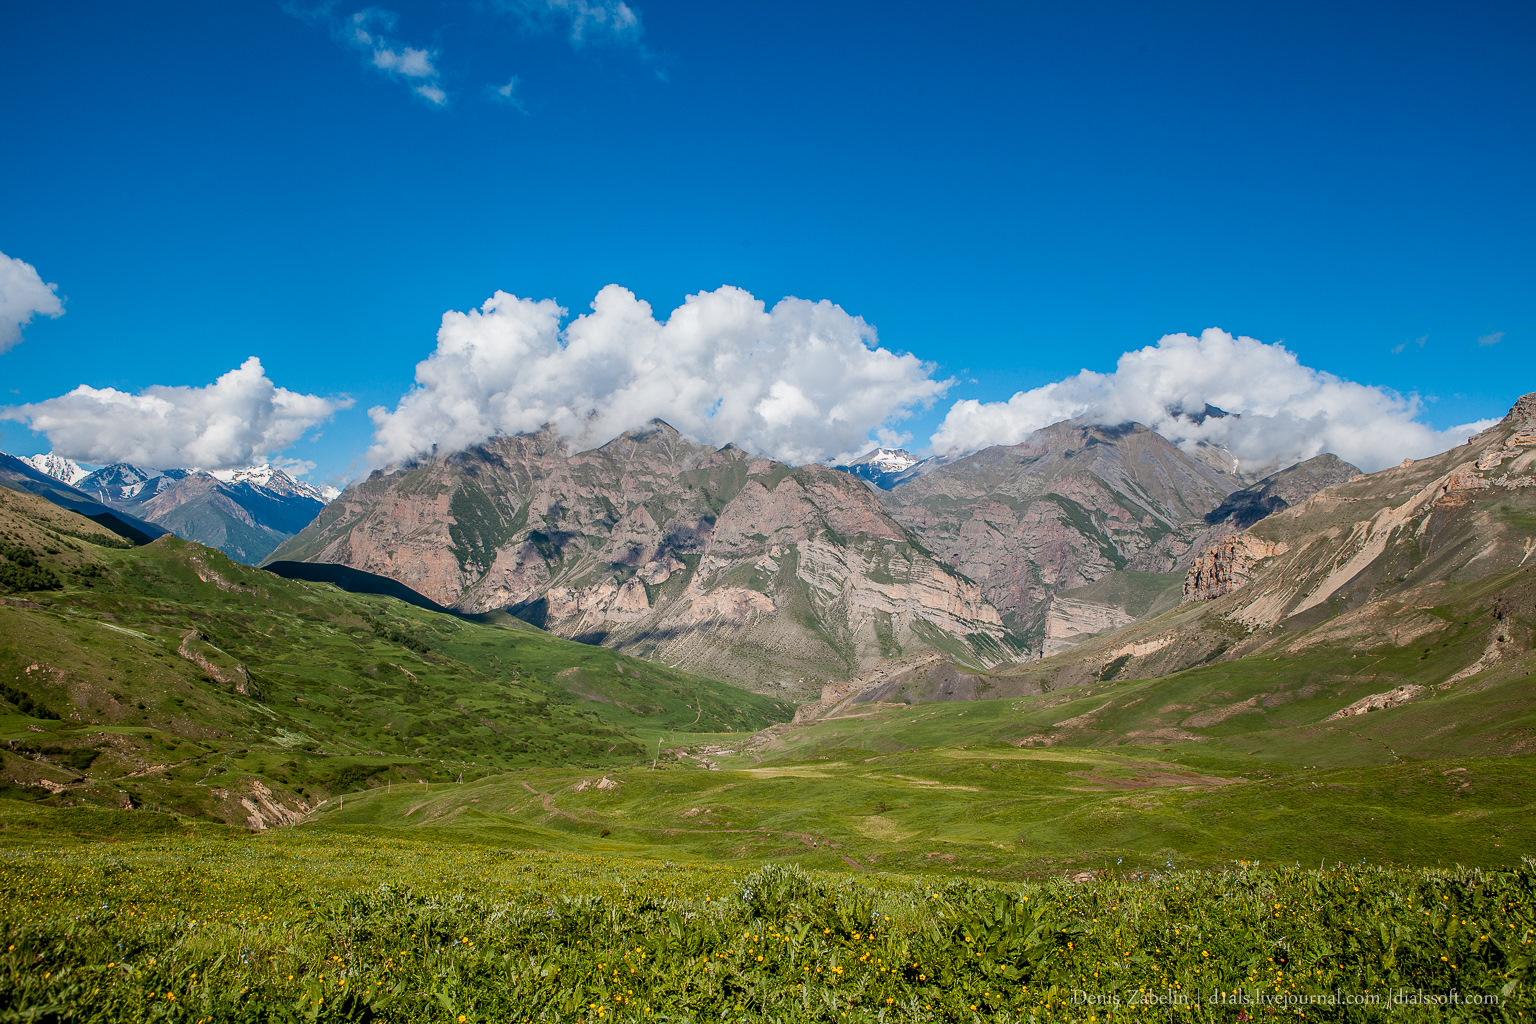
(1012, 192)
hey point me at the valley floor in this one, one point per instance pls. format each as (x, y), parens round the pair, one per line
(979, 882)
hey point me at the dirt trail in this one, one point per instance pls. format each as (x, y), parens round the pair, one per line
(548, 803)
(155, 768)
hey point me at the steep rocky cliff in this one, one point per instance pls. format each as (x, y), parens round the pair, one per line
(1227, 564)
(1070, 505)
(709, 559)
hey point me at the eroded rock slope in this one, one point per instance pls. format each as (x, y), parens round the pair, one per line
(708, 559)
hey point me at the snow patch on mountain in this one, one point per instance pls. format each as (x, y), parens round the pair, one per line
(66, 470)
(271, 479)
(887, 467)
(887, 460)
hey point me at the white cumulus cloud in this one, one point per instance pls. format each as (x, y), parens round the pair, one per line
(241, 419)
(1285, 411)
(801, 382)
(23, 294)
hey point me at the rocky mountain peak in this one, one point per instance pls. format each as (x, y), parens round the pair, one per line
(1523, 412)
(1197, 416)
(1070, 504)
(658, 545)
(657, 439)
(67, 470)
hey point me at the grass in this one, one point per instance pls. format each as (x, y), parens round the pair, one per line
(493, 824)
(985, 812)
(317, 924)
(188, 676)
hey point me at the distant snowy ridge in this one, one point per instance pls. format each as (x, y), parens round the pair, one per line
(66, 470)
(887, 467)
(887, 460)
(245, 513)
(269, 478)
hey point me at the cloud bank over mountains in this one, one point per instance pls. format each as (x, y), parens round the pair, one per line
(239, 420)
(23, 295)
(801, 382)
(1284, 411)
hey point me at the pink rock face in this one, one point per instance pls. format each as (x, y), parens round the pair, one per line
(658, 571)
(1068, 506)
(604, 602)
(1227, 565)
(733, 604)
(634, 540)
(406, 540)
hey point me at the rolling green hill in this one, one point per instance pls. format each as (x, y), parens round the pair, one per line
(171, 676)
(1045, 784)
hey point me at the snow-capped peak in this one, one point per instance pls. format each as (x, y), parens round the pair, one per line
(58, 467)
(270, 478)
(259, 476)
(121, 481)
(888, 460)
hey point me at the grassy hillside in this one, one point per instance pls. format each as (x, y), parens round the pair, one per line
(171, 676)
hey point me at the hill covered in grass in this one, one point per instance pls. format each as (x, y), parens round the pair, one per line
(171, 676)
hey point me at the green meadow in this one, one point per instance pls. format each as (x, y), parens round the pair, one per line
(476, 821)
(322, 924)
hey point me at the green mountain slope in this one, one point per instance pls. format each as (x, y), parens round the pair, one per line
(172, 676)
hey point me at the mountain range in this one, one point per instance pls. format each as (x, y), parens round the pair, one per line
(1319, 616)
(1410, 588)
(244, 513)
(787, 578)
(19, 475)
(706, 558)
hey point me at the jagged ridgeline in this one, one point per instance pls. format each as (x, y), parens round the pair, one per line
(172, 677)
(711, 559)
